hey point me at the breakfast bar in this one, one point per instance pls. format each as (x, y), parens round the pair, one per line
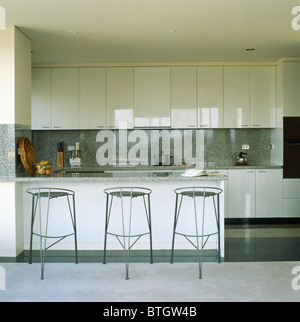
(89, 185)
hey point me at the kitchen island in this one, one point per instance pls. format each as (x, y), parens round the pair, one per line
(90, 206)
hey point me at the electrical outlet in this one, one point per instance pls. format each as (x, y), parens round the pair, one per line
(71, 147)
(245, 146)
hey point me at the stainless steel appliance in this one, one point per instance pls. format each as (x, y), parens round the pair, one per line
(241, 159)
(291, 147)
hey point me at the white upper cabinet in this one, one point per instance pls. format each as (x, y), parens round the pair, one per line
(152, 97)
(210, 97)
(120, 97)
(291, 88)
(41, 114)
(157, 97)
(183, 97)
(262, 96)
(236, 96)
(65, 98)
(92, 98)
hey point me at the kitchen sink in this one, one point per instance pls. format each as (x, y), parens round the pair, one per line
(81, 171)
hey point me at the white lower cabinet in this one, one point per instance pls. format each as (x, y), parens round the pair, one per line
(255, 193)
(269, 193)
(241, 194)
(291, 198)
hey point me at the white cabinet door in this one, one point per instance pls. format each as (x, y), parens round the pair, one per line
(291, 195)
(92, 98)
(241, 193)
(65, 98)
(183, 97)
(262, 96)
(291, 188)
(291, 88)
(41, 99)
(210, 97)
(236, 96)
(291, 208)
(269, 193)
(120, 97)
(152, 97)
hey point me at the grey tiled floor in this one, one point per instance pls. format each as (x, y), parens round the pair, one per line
(161, 282)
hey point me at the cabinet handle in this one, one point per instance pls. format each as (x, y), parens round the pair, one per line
(191, 125)
(244, 125)
(203, 125)
(100, 126)
(255, 124)
(262, 171)
(57, 127)
(46, 127)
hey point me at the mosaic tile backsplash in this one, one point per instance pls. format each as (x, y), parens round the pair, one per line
(216, 147)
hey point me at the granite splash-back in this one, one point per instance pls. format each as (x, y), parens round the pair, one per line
(10, 162)
(220, 147)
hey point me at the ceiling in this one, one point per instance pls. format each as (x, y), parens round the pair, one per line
(137, 31)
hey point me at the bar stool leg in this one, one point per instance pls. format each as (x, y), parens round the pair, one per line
(174, 228)
(73, 220)
(43, 249)
(33, 212)
(126, 250)
(148, 216)
(199, 248)
(218, 227)
(217, 216)
(202, 234)
(107, 217)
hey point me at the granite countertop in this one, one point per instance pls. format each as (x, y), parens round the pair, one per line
(137, 173)
(117, 176)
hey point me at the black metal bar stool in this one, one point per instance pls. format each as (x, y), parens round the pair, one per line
(123, 235)
(48, 194)
(197, 194)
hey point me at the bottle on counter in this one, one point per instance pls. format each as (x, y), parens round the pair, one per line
(60, 155)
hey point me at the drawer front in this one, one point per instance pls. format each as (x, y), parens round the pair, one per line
(291, 208)
(291, 188)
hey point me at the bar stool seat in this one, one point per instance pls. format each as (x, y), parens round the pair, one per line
(200, 218)
(49, 194)
(125, 234)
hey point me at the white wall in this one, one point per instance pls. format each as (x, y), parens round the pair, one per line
(7, 76)
(11, 220)
(15, 77)
(22, 79)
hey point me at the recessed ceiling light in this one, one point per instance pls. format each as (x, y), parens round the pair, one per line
(72, 32)
(250, 49)
(171, 31)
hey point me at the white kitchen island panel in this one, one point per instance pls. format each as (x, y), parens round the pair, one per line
(90, 213)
